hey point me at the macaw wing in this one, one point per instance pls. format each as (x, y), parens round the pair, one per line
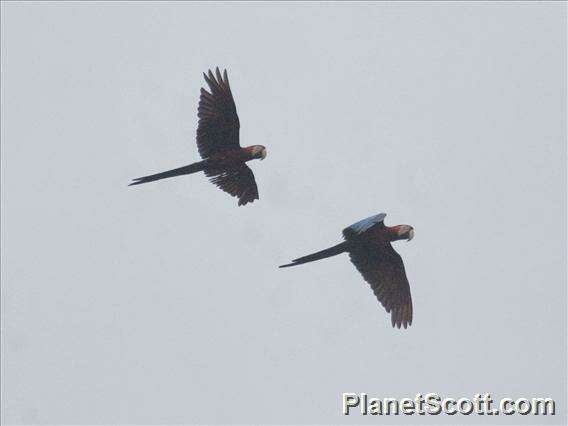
(382, 267)
(238, 182)
(218, 127)
(359, 228)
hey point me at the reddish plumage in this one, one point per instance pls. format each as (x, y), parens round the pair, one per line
(368, 244)
(224, 160)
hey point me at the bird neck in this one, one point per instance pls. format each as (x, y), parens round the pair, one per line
(249, 152)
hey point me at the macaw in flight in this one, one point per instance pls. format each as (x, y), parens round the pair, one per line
(224, 160)
(368, 243)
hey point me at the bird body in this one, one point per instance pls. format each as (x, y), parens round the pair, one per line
(368, 243)
(235, 157)
(224, 160)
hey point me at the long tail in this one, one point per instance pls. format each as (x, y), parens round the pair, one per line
(332, 251)
(185, 170)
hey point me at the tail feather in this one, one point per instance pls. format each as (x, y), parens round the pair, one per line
(329, 252)
(185, 170)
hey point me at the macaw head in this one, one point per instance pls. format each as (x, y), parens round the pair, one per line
(258, 151)
(404, 232)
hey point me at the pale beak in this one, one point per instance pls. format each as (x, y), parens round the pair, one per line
(263, 154)
(410, 234)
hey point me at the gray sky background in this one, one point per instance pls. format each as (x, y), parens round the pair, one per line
(163, 304)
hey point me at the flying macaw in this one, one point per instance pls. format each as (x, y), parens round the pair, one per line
(224, 161)
(368, 243)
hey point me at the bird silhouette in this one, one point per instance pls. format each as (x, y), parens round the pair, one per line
(368, 243)
(224, 160)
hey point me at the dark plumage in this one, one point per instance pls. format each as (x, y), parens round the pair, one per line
(368, 243)
(224, 160)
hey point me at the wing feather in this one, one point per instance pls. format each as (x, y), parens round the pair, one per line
(218, 127)
(364, 225)
(382, 267)
(238, 182)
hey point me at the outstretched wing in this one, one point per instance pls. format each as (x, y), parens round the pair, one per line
(218, 127)
(237, 181)
(382, 267)
(359, 228)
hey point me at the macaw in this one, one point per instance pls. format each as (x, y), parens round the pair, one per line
(368, 243)
(224, 160)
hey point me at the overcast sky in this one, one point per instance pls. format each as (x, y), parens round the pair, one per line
(163, 303)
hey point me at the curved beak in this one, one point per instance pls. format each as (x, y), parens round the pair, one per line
(263, 154)
(410, 235)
